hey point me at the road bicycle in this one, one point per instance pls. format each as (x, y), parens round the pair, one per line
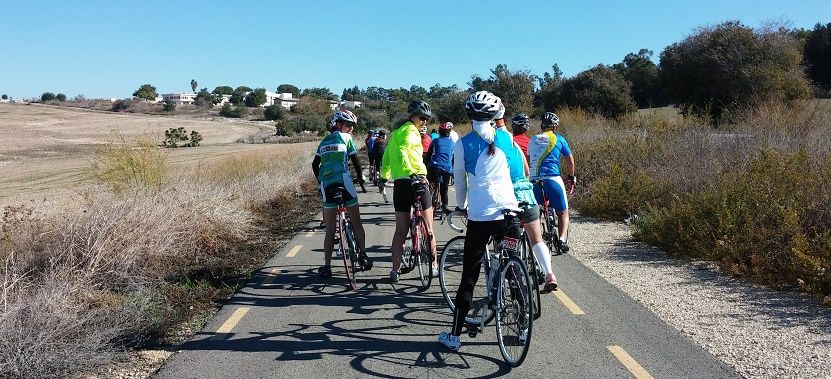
(345, 238)
(550, 222)
(503, 293)
(417, 251)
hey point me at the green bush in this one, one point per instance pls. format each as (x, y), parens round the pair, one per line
(60, 97)
(273, 112)
(771, 222)
(311, 123)
(238, 111)
(173, 136)
(600, 90)
(47, 96)
(620, 195)
(168, 106)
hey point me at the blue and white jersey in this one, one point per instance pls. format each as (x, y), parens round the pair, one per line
(483, 181)
(523, 189)
(545, 150)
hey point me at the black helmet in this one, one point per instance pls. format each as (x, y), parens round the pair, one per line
(550, 119)
(420, 108)
(520, 123)
(482, 106)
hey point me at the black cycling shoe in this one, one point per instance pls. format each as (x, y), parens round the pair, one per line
(564, 246)
(325, 271)
(366, 263)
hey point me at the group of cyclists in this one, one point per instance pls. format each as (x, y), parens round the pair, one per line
(492, 169)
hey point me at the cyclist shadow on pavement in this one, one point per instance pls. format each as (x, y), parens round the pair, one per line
(386, 332)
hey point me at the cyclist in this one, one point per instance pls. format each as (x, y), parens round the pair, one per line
(378, 151)
(440, 161)
(484, 188)
(434, 134)
(524, 191)
(331, 169)
(425, 141)
(403, 162)
(370, 144)
(545, 150)
(519, 126)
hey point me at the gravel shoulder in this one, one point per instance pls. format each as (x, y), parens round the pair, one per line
(762, 333)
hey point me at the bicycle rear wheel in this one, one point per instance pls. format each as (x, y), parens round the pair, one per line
(514, 321)
(346, 255)
(352, 251)
(423, 255)
(533, 274)
(451, 265)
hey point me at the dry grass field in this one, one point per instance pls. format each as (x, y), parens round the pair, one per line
(46, 151)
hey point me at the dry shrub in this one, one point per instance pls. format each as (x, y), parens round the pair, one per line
(124, 165)
(132, 265)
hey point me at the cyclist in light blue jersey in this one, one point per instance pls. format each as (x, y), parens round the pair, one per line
(545, 150)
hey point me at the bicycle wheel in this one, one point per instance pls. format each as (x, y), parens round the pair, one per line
(533, 274)
(423, 256)
(514, 321)
(451, 264)
(549, 231)
(352, 250)
(348, 262)
(408, 255)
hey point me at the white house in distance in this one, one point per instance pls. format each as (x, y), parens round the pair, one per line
(179, 98)
(350, 104)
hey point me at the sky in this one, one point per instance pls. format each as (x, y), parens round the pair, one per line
(104, 48)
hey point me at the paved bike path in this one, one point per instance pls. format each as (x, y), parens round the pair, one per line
(288, 322)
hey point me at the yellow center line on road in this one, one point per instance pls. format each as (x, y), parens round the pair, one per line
(272, 275)
(233, 320)
(293, 251)
(570, 305)
(636, 369)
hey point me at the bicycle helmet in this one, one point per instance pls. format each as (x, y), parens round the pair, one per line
(550, 119)
(482, 106)
(520, 123)
(345, 115)
(419, 108)
(446, 125)
(423, 129)
(331, 125)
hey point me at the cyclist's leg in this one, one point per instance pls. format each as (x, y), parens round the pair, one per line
(401, 202)
(443, 187)
(556, 191)
(476, 238)
(330, 220)
(427, 209)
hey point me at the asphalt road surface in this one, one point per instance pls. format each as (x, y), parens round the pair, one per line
(290, 323)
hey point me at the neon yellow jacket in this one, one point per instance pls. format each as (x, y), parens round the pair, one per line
(403, 156)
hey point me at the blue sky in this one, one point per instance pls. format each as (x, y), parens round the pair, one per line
(104, 49)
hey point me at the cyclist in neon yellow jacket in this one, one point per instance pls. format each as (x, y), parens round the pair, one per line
(403, 163)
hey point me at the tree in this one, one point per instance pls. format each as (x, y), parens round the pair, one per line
(146, 92)
(4, 97)
(238, 111)
(47, 96)
(204, 98)
(322, 93)
(642, 73)
(728, 67)
(60, 97)
(273, 112)
(193, 85)
(451, 107)
(817, 52)
(437, 91)
(238, 95)
(310, 105)
(223, 90)
(516, 89)
(168, 105)
(352, 94)
(550, 94)
(600, 90)
(255, 98)
(288, 88)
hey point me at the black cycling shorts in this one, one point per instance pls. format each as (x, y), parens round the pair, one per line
(403, 196)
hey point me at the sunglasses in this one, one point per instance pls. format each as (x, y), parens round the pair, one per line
(422, 118)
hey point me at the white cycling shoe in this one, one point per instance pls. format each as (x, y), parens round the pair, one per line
(449, 341)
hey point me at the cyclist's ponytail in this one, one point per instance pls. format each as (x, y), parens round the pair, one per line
(491, 149)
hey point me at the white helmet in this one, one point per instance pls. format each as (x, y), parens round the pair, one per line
(345, 115)
(482, 106)
(550, 119)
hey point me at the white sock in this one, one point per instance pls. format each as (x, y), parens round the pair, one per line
(543, 256)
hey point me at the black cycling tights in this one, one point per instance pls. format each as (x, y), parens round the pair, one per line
(445, 182)
(478, 234)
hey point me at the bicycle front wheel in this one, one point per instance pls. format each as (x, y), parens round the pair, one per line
(451, 266)
(352, 251)
(514, 321)
(423, 253)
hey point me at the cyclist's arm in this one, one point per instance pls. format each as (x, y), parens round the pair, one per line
(459, 176)
(316, 167)
(430, 150)
(525, 166)
(569, 162)
(356, 162)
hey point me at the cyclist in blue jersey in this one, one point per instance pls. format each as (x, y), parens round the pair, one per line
(331, 168)
(484, 188)
(440, 161)
(370, 145)
(524, 191)
(545, 150)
